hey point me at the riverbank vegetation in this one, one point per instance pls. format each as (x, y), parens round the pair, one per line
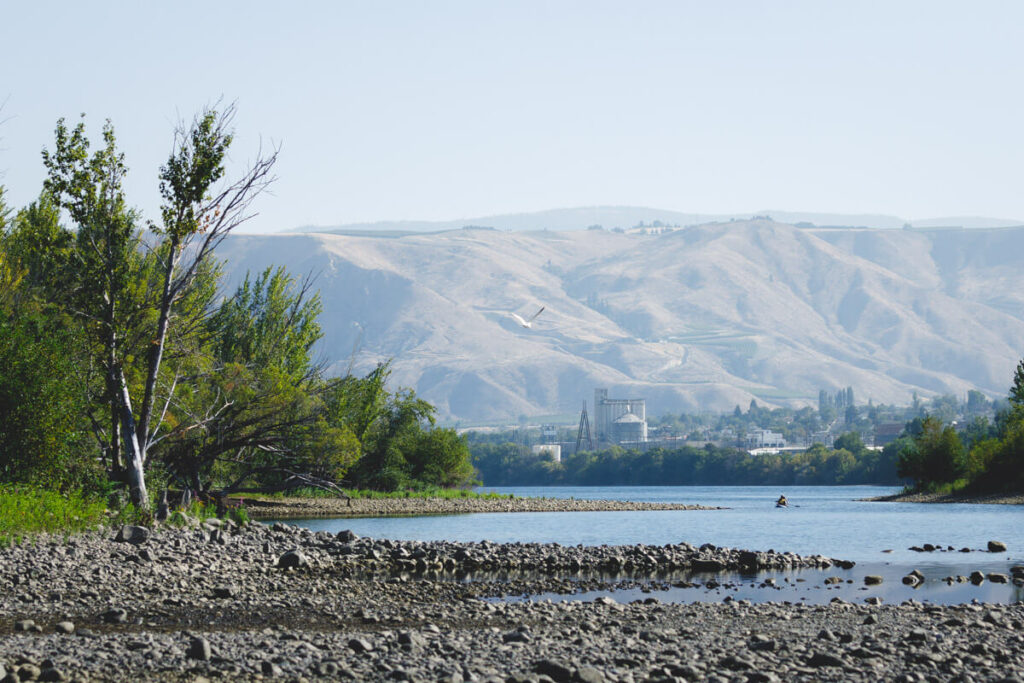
(850, 462)
(984, 458)
(128, 371)
(28, 510)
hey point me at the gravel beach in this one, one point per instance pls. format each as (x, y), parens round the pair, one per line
(296, 508)
(984, 499)
(279, 602)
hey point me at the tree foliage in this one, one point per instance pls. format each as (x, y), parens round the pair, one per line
(119, 354)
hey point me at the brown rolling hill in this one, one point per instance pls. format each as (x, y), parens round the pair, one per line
(699, 318)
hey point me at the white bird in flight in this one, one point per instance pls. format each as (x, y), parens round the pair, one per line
(529, 322)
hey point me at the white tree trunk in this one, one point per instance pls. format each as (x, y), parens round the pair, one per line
(134, 456)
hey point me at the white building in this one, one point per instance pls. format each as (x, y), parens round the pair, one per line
(764, 438)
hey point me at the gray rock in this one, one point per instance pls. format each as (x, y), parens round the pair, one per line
(556, 670)
(588, 674)
(360, 645)
(411, 639)
(329, 669)
(872, 580)
(225, 592)
(762, 677)
(820, 659)
(133, 534)
(996, 547)
(914, 578)
(52, 674)
(293, 559)
(29, 672)
(115, 615)
(198, 648)
(24, 625)
(271, 669)
(996, 577)
(346, 536)
(516, 637)
(65, 627)
(977, 578)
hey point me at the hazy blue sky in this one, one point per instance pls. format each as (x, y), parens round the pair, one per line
(437, 110)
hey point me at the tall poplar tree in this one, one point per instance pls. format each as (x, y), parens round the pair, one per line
(121, 293)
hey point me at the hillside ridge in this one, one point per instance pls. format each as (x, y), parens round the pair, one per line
(701, 318)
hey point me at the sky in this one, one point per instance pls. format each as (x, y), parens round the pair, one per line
(444, 110)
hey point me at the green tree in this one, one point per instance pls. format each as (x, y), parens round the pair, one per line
(937, 455)
(42, 439)
(439, 457)
(851, 442)
(254, 410)
(122, 295)
(41, 247)
(1017, 389)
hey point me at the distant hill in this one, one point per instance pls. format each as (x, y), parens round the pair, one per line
(626, 217)
(702, 318)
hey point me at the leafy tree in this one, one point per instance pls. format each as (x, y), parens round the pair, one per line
(977, 402)
(253, 409)
(5, 211)
(42, 440)
(851, 442)
(1017, 390)
(937, 455)
(120, 294)
(41, 247)
(439, 457)
(106, 267)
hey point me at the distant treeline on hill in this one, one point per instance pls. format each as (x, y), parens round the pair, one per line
(849, 462)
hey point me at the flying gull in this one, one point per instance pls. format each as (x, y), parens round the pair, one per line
(529, 322)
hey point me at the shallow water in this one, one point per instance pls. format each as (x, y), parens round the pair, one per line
(832, 521)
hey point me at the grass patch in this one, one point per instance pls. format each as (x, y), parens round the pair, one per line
(26, 510)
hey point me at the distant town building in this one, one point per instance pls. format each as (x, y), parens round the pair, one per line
(764, 438)
(548, 433)
(887, 432)
(619, 420)
(554, 450)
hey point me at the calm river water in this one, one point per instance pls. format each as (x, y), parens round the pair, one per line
(827, 520)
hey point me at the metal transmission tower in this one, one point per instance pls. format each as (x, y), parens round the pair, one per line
(584, 429)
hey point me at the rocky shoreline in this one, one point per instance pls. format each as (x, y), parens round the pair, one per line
(218, 601)
(296, 508)
(983, 499)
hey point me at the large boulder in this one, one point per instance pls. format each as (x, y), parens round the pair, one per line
(293, 559)
(996, 547)
(133, 534)
(198, 648)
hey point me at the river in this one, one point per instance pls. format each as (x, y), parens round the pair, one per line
(834, 521)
